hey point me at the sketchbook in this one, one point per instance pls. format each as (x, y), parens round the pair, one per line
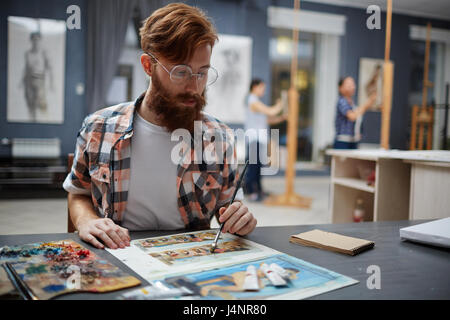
(332, 242)
(184, 261)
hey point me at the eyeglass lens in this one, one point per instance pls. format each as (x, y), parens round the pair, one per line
(182, 73)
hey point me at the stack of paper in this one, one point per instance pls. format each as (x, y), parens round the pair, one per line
(332, 242)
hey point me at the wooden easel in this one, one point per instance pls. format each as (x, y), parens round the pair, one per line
(388, 77)
(289, 198)
(423, 117)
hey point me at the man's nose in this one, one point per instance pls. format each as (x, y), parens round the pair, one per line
(192, 84)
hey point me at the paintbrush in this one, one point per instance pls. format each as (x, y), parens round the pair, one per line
(238, 185)
(20, 285)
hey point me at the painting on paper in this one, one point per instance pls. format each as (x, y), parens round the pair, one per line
(305, 280)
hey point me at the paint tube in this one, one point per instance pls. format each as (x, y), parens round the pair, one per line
(273, 277)
(152, 292)
(161, 286)
(251, 279)
(280, 270)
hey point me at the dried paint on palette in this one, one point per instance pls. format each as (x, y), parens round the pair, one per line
(54, 268)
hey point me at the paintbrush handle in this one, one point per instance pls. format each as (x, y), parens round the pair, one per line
(238, 185)
(18, 283)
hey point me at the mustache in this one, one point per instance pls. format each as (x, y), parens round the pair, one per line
(199, 99)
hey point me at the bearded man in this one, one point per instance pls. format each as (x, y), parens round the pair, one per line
(124, 176)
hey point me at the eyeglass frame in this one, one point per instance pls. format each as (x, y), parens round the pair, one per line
(183, 65)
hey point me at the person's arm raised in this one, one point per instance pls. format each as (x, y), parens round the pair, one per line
(352, 115)
(260, 107)
(277, 119)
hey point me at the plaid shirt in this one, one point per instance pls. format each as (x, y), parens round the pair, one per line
(346, 130)
(101, 167)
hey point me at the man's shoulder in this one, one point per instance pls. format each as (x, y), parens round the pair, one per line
(119, 114)
(213, 123)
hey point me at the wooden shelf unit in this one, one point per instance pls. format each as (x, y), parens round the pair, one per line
(388, 199)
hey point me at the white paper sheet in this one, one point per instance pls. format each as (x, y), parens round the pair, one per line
(435, 233)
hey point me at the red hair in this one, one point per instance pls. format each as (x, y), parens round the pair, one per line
(175, 31)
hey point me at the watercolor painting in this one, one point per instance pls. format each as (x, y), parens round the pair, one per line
(54, 268)
(184, 261)
(305, 280)
(163, 256)
(174, 239)
(188, 254)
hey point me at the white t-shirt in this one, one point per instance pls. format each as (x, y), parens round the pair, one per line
(152, 196)
(256, 121)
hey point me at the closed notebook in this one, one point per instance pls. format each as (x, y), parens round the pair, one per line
(332, 242)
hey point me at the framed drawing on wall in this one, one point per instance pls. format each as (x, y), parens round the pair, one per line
(36, 70)
(232, 57)
(370, 79)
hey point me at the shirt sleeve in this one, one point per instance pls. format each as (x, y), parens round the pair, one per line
(343, 106)
(78, 181)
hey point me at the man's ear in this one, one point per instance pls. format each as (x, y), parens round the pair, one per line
(146, 62)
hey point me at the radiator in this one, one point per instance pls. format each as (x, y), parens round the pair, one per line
(30, 148)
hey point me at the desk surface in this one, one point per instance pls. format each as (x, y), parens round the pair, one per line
(408, 270)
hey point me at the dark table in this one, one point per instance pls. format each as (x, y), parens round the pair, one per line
(408, 270)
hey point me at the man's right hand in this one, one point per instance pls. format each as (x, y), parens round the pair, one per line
(104, 229)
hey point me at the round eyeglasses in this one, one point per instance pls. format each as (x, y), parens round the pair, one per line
(181, 74)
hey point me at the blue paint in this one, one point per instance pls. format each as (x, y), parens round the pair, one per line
(54, 288)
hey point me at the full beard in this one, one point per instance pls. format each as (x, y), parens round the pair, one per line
(170, 113)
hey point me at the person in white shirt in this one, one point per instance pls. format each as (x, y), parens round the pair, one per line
(258, 118)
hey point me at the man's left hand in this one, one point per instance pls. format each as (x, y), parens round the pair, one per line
(237, 219)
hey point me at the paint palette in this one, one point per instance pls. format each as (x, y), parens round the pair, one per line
(54, 268)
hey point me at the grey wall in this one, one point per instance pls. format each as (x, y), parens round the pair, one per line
(74, 111)
(241, 17)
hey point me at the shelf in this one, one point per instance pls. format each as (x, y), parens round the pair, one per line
(27, 181)
(37, 169)
(354, 183)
